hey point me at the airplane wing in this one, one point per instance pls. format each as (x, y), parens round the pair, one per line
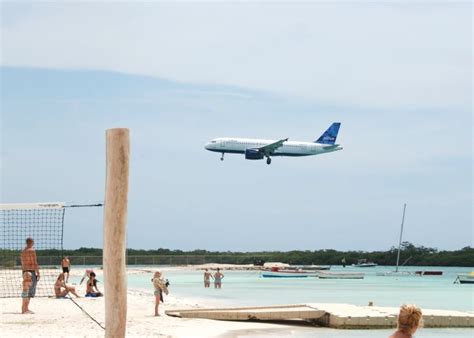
(270, 148)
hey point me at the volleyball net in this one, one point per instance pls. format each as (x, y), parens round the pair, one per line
(44, 224)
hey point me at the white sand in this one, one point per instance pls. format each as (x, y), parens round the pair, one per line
(61, 317)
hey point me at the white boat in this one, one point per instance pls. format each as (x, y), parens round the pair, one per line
(341, 275)
(274, 273)
(397, 273)
(309, 268)
(466, 278)
(365, 265)
(429, 273)
(362, 263)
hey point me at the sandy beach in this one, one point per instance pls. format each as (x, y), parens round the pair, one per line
(72, 317)
(85, 317)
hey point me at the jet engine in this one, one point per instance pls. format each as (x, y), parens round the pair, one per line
(253, 154)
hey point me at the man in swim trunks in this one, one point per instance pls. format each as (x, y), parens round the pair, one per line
(66, 265)
(30, 264)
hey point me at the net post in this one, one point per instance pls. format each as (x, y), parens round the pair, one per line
(115, 223)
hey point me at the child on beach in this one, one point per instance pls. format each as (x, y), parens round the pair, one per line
(409, 320)
(218, 279)
(160, 286)
(25, 297)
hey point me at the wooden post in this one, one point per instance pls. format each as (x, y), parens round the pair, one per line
(115, 229)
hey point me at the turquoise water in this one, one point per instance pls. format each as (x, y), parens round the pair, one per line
(307, 332)
(247, 288)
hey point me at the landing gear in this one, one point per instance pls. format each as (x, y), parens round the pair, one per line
(269, 160)
(222, 157)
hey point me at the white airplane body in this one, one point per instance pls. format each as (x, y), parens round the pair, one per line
(257, 149)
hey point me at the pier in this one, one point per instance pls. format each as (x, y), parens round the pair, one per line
(340, 316)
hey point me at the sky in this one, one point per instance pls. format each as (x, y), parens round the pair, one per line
(397, 75)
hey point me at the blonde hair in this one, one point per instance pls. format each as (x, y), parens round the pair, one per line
(27, 274)
(410, 318)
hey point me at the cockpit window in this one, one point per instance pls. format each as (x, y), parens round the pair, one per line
(213, 141)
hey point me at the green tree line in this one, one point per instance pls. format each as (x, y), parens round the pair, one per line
(410, 254)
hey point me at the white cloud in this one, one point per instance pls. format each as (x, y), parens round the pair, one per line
(349, 53)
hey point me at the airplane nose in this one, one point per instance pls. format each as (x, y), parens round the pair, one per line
(207, 146)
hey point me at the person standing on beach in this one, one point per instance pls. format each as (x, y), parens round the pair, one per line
(160, 286)
(409, 320)
(218, 279)
(66, 265)
(30, 264)
(87, 274)
(207, 278)
(25, 298)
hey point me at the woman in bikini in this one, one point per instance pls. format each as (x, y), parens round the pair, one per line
(207, 278)
(91, 289)
(218, 279)
(61, 289)
(160, 286)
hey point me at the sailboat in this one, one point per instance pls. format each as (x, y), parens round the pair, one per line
(397, 272)
(465, 278)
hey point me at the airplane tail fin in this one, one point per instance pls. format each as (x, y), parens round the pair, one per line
(330, 135)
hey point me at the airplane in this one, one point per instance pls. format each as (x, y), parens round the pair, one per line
(256, 149)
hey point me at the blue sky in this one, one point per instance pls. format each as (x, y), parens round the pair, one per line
(398, 77)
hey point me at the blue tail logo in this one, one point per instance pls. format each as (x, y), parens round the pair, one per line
(330, 135)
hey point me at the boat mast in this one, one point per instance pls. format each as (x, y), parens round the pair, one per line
(401, 233)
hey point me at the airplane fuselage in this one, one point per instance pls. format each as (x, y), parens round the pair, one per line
(256, 149)
(288, 148)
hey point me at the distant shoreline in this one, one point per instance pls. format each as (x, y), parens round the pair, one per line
(410, 255)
